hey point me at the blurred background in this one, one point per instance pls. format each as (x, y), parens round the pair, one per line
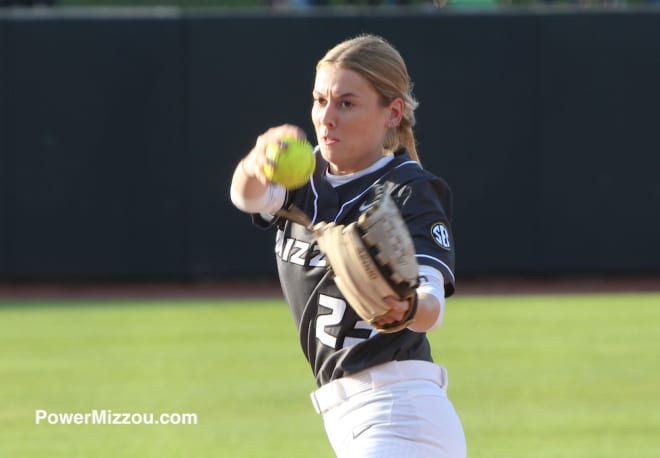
(121, 122)
(318, 3)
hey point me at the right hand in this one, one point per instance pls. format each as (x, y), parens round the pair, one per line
(253, 163)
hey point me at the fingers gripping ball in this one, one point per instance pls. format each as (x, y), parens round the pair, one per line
(290, 163)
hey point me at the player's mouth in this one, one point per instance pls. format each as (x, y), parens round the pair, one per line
(327, 140)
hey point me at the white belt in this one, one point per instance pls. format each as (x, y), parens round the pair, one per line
(334, 393)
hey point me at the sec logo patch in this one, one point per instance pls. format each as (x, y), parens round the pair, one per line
(441, 236)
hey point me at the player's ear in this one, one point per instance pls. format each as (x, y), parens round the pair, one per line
(395, 113)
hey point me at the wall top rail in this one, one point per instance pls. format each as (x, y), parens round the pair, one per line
(176, 12)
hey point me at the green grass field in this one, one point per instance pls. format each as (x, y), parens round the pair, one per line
(531, 376)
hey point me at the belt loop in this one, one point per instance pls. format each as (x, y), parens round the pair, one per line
(315, 403)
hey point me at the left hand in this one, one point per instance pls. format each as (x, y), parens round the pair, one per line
(397, 312)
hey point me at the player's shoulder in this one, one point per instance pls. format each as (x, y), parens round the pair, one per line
(414, 185)
(404, 165)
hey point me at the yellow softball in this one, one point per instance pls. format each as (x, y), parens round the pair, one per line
(290, 163)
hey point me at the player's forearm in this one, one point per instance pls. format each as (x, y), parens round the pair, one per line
(429, 313)
(245, 181)
(247, 191)
(252, 195)
(430, 300)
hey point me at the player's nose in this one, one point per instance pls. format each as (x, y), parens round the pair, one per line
(327, 116)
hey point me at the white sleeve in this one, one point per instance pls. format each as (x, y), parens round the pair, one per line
(269, 202)
(433, 283)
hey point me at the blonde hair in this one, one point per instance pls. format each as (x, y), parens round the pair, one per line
(382, 66)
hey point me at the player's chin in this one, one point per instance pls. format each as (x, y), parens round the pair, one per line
(333, 154)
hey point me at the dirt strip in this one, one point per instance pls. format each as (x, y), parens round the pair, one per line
(269, 288)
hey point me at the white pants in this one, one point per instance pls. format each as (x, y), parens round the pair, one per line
(398, 409)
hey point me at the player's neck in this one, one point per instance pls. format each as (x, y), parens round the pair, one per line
(338, 180)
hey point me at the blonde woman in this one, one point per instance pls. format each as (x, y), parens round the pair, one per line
(380, 394)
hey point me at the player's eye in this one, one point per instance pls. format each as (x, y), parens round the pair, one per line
(346, 104)
(320, 101)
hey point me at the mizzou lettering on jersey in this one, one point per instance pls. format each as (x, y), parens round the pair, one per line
(299, 252)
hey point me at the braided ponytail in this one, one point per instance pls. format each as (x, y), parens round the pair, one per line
(408, 141)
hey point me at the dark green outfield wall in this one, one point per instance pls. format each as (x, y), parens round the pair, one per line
(118, 135)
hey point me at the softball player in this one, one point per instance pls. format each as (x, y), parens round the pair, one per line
(380, 394)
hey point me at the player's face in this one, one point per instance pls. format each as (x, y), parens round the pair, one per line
(349, 119)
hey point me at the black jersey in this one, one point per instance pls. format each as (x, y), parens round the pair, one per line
(335, 340)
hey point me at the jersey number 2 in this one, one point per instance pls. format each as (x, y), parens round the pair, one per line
(362, 330)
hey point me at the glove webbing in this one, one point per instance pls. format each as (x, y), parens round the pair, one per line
(401, 286)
